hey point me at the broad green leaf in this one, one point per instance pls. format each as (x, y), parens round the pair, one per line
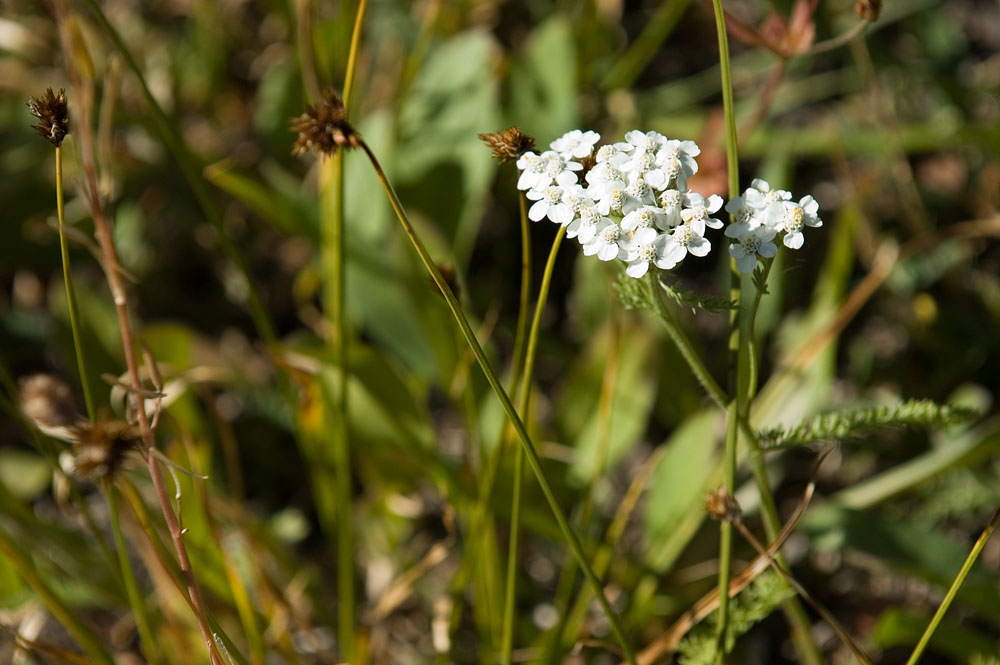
(444, 171)
(631, 401)
(674, 503)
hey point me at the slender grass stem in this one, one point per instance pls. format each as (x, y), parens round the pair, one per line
(735, 337)
(335, 265)
(572, 540)
(149, 646)
(956, 584)
(524, 401)
(74, 312)
(522, 310)
(192, 172)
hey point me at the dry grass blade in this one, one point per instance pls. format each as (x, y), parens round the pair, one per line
(402, 586)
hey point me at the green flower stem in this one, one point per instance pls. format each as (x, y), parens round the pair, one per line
(335, 268)
(522, 310)
(64, 614)
(735, 338)
(524, 400)
(149, 645)
(572, 540)
(956, 584)
(683, 344)
(192, 172)
(74, 312)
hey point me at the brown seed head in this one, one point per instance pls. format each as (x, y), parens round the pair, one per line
(323, 127)
(103, 447)
(867, 10)
(722, 505)
(48, 403)
(53, 116)
(509, 144)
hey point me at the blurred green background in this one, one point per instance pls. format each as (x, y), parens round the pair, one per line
(896, 297)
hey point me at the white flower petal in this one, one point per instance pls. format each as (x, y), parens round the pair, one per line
(699, 246)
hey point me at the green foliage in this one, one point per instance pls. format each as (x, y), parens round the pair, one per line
(709, 302)
(839, 425)
(751, 606)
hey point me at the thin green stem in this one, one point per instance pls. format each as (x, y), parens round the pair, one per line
(956, 584)
(522, 310)
(149, 646)
(74, 313)
(524, 400)
(192, 172)
(572, 540)
(735, 341)
(333, 254)
(684, 345)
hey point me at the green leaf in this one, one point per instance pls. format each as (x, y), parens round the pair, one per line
(632, 399)
(24, 473)
(678, 485)
(839, 425)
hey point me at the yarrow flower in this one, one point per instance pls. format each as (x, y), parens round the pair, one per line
(761, 213)
(633, 203)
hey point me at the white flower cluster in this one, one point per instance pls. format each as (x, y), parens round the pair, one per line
(636, 206)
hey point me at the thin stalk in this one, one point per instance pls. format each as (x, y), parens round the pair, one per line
(192, 172)
(149, 646)
(524, 400)
(74, 313)
(522, 310)
(684, 345)
(735, 337)
(794, 612)
(572, 540)
(333, 259)
(956, 584)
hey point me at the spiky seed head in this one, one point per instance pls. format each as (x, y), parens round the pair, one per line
(103, 447)
(53, 115)
(867, 10)
(323, 127)
(509, 144)
(722, 505)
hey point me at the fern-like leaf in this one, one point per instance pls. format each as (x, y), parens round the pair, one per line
(838, 425)
(710, 303)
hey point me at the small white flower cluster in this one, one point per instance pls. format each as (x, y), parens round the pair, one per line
(760, 214)
(636, 206)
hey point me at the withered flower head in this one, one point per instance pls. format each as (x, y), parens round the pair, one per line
(323, 127)
(722, 505)
(103, 448)
(48, 403)
(509, 144)
(52, 114)
(867, 10)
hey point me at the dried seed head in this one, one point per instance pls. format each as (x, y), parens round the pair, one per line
(722, 505)
(867, 10)
(48, 403)
(103, 448)
(509, 144)
(52, 114)
(323, 127)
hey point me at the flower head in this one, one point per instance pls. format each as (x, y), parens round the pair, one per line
(750, 246)
(509, 144)
(103, 447)
(323, 127)
(575, 144)
(53, 116)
